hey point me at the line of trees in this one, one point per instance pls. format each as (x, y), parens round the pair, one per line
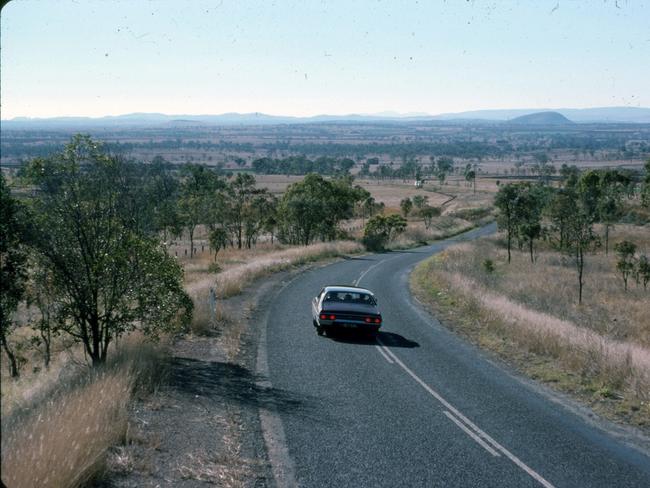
(301, 165)
(86, 242)
(566, 216)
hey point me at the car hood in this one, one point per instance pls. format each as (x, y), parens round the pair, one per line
(350, 307)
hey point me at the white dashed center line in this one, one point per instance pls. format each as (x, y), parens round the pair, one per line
(471, 429)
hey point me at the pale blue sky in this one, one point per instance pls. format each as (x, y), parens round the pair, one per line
(94, 58)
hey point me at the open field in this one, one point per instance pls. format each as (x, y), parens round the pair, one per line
(495, 148)
(528, 313)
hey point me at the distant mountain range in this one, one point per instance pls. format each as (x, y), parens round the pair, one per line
(517, 116)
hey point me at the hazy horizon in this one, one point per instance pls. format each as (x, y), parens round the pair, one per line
(301, 59)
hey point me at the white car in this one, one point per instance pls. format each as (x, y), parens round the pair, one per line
(343, 307)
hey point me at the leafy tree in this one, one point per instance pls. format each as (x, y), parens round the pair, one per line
(42, 294)
(507, 201)
(314, 206)
(528, 215)
(560, 211)
(108, 275)
(13, 272)
(428, 213)
(380, 230)
(198, 197)
(570, 175)
(625, 264)
(160, 196)
(218, 239)
(244, 203)
(406, 205)
(580, 240)
(614, 185)
(420, 201)
(645, 186)
(444, 167)
(642, 272)
(470, 175)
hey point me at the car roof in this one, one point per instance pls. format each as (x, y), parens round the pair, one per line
(350, 289)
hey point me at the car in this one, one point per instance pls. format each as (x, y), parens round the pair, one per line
(345, 307)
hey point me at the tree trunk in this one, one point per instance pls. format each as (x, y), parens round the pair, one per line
(581, 263)
(13, 364)
(191, 242)
(607, 242)
(509, 245)
(531, 249)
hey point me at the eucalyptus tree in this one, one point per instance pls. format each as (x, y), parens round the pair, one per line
(108, 275)
(13, 268)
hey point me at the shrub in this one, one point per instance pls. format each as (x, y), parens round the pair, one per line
(488, 265)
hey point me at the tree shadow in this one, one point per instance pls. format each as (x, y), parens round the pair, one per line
(388, 339)
(233, 383)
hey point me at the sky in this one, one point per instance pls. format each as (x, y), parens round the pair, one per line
(306, 57)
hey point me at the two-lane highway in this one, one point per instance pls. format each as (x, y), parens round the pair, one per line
(419, 406)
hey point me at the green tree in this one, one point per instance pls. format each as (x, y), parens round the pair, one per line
(314, 207)
(108, 275)
(380, 230)
(625, 264)
(420, 201)
(242, 212)
(507, 201)
(528, 215)
(428, 213)
(444, 167)
(560, 211)
(198, 195)
(569, 175)
(614, 185)
(581, 239)
(470, 175)
(406, 205)
(645, 186)
(218, 239)
(13, 272)
(642, 272)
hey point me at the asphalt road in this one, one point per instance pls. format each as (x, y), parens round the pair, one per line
(418, 407)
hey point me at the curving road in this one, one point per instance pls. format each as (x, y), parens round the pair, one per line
(418, 407)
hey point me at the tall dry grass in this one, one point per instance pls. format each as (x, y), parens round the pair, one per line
(606, 339)
(234, 279)
(62, 439)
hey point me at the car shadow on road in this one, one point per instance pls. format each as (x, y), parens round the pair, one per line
(388, 339)
(233, 383)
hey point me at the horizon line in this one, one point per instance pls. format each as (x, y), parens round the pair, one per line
(380, 114)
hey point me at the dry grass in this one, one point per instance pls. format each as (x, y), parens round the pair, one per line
(605, 341)
(62, 440)
(231, 281)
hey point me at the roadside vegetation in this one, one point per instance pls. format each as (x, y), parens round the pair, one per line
(562, 290)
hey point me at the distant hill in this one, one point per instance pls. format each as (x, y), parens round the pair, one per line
(638, 115)
(541, 118)
(634, 115)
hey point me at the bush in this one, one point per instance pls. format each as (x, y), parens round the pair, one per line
(488, 265)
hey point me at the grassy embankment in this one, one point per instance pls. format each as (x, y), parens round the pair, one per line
(528, 313)
(60, 436)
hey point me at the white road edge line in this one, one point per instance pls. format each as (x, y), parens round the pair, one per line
(468, 422)
(480, 441)
(386, 357)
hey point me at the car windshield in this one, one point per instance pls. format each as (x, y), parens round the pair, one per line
(349, 297)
